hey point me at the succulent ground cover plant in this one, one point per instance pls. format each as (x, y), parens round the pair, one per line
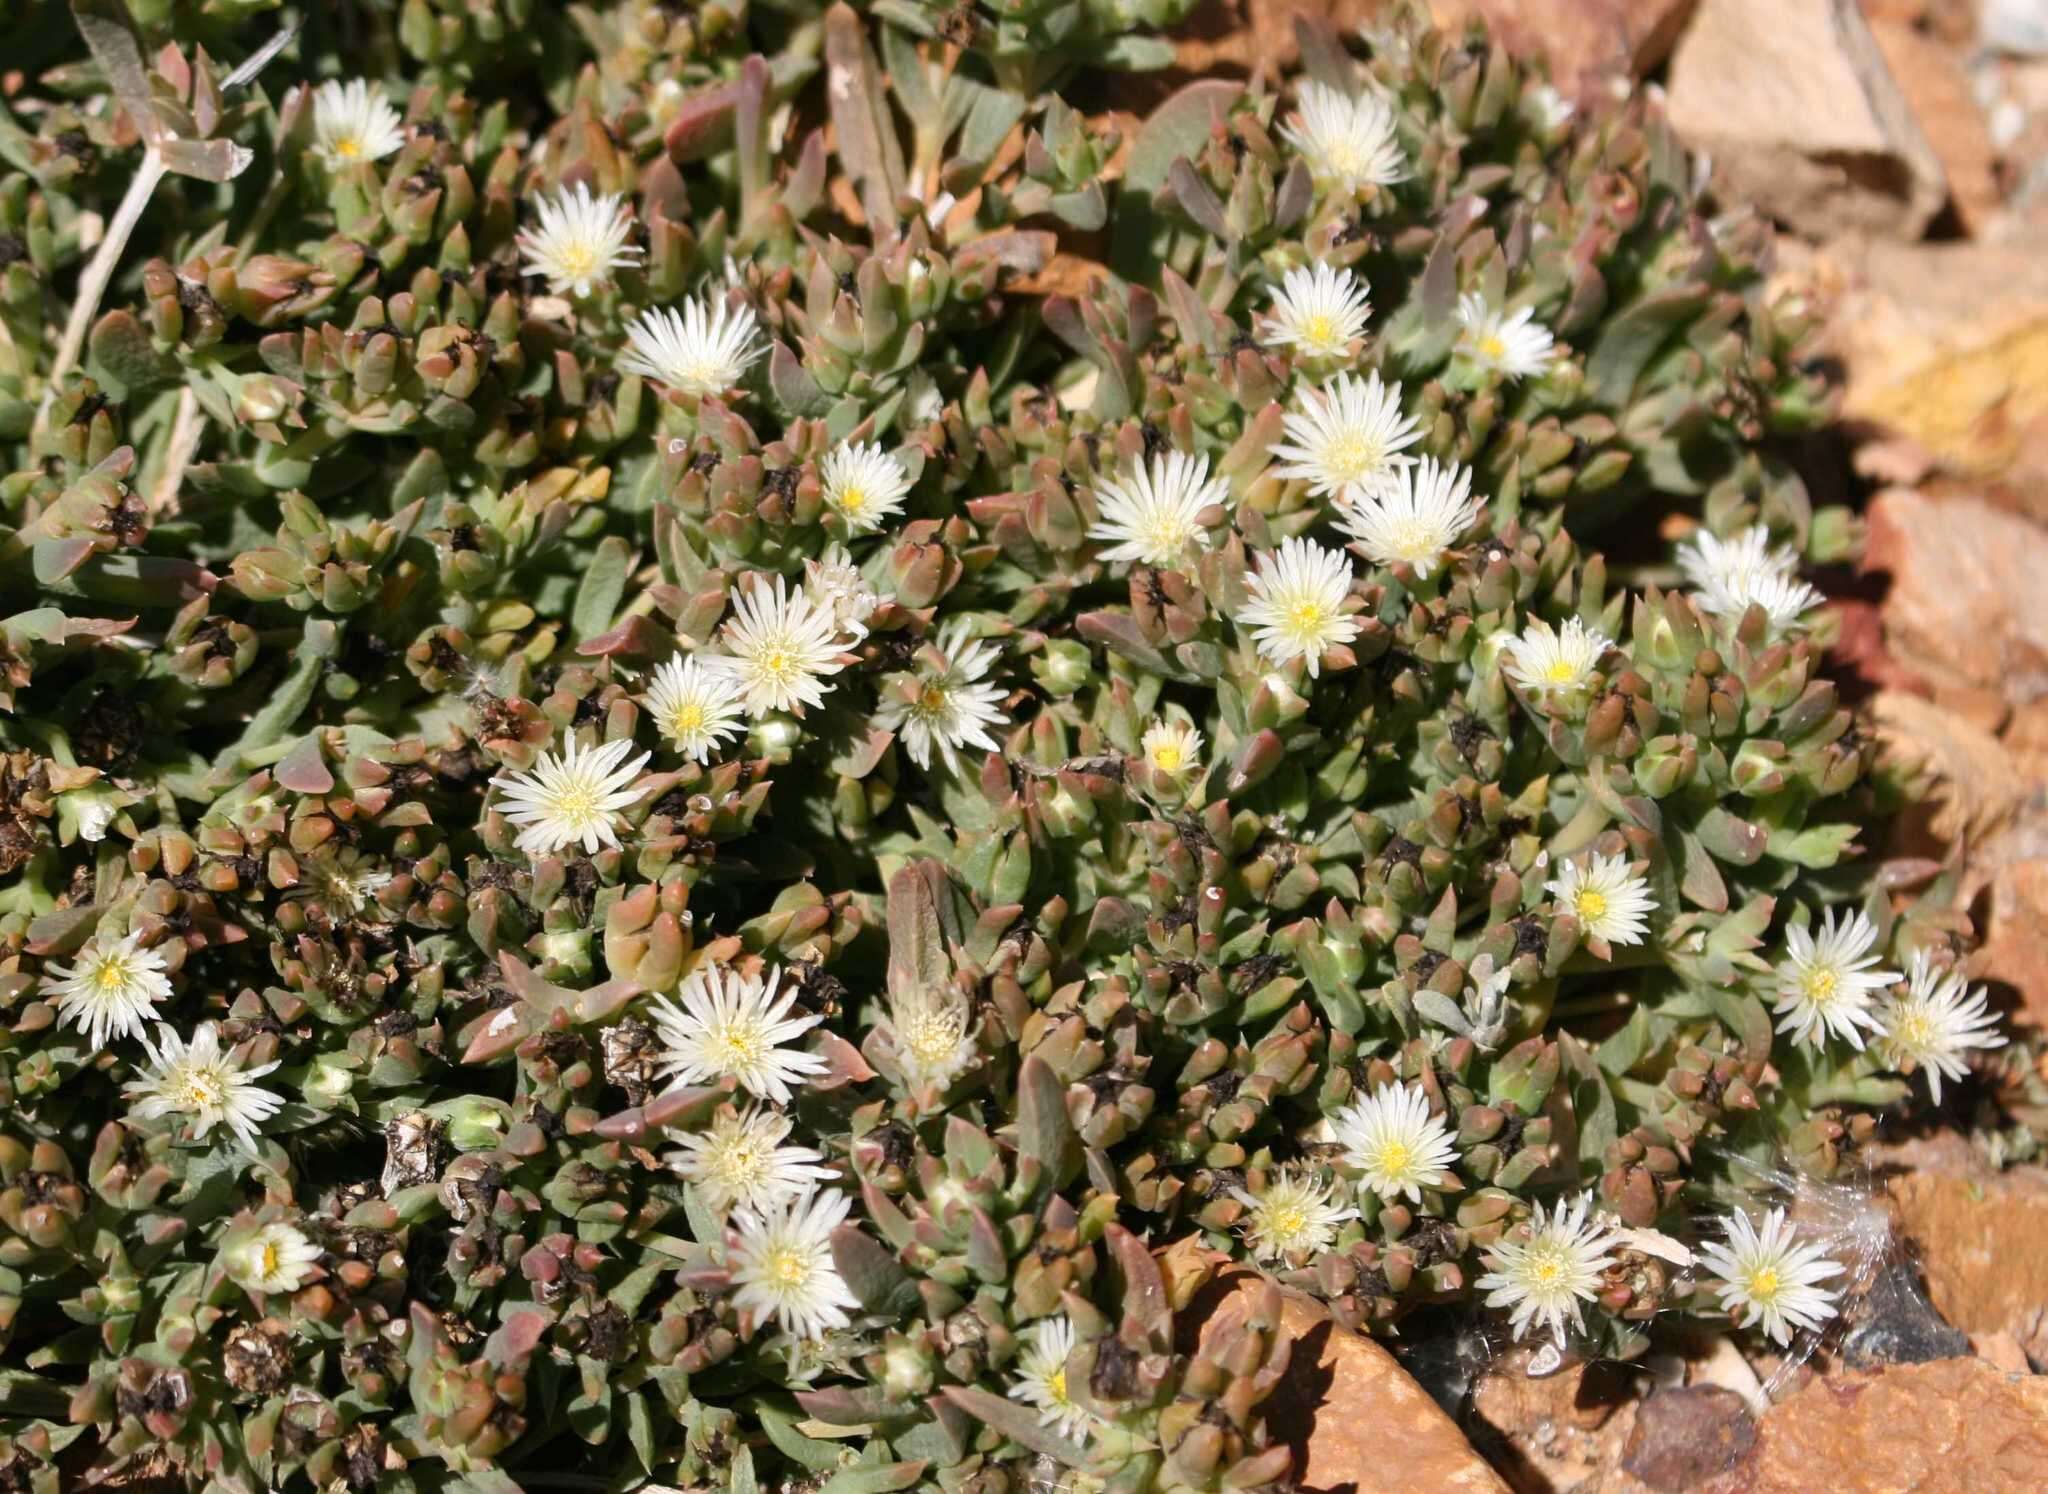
(663, 823)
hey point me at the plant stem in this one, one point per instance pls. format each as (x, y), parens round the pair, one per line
(93, 284)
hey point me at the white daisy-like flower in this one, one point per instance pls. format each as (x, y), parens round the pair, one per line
(741, 1161)
(1733, 575)
(780, 645)
(1826, 987)
(1041, 1381)
(1543, 1279)
(1172, 747)
(1557, 662)
(1318, 311)
(733, 1026)
(1935, 1023)
(110, 990)
(1768, 1278)
(863, 484)
(1412, 514)
(95, 810)
(1392, 1139)
(580, 241)
(706, 348)
(780, 1260)
(931, 1033)
(1607, 900)
(1151, 514)
(352, 122)
(275, 1258)
(948, 708)
(836, 584)
(1295, 1216)
(1297, 607)
(1512, 344)
(695, 708)
(570, 798)
(1347, 437)
(1348, 141)
(203, 1086)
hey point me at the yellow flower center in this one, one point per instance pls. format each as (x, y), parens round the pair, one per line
(1821, 985)
(272, 1257)
(1591, 904)
(932, 698)
(1396, 1158)
(1913, 1029)
(111, 973)
(575, 804)
(1561, 672)
(1308, 619)
(776, 664)
(1546, 1271)
(853, 500)
(201, 1089)
(686, 720)
(1286, 1222)
(348, 147)
(1056, 1385)
(1764, 1284)
(578, 258)
(736, 1047)
(786, 1268)
(1352, 456)
(1320, 332)
(1491, 347)
(1166, 757)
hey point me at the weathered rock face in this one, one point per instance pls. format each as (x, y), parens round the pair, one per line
(1979, 1235)
(1583, 40)
(1685, 1436)
(1951, 1425)
(1353, 1416)
(1793, 101)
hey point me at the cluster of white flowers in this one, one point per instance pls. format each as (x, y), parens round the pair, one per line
(1731, 576)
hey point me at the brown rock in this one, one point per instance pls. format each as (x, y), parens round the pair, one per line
(2001, 1351)
(1944, 346)
(1979, 789)
(1561, 1431)
(1966, 603)
(1937, 89)
(1346, 1405)
(1945, 1427)
(1584, 41)
(1810, 127)
(1685, 1436)
(1951, 21)
(2015, 931)
(1979, 1234)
